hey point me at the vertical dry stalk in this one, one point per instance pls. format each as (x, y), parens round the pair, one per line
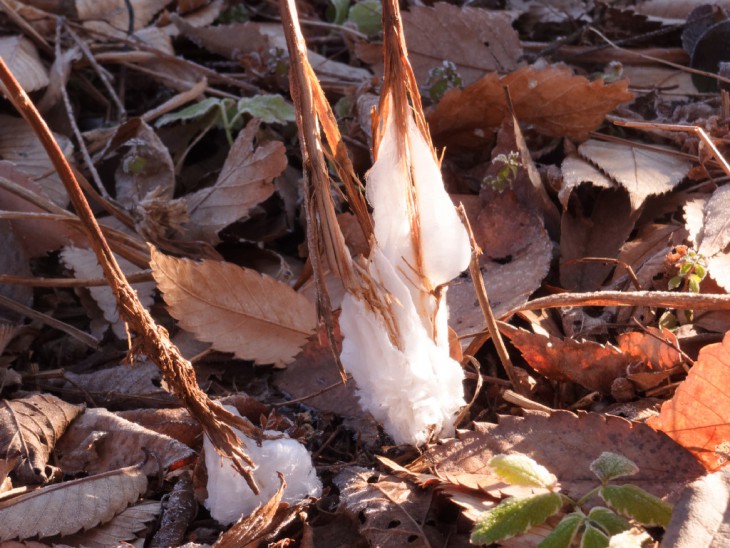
(145, 336)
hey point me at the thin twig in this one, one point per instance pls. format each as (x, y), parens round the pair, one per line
(481, 291)
(137, 277)
(20, 308)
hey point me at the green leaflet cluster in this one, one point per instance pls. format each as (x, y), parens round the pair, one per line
(514, 516)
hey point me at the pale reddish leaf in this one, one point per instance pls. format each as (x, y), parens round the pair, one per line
(122, 527)
(476, 40)
(236, 309)
(84, 264)
(657, 347)
(20, 146)
(567, 443)
(175, 423)
(700, 517)
(698, 415)
(641, 172)
(552, 99)
(99, 441)
(47, 512)
(587, 363)
(391, 512)
(121, 386)
(30, 428)
(245, 181)
(21, 57)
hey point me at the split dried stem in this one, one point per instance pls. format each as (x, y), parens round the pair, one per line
(145, 336)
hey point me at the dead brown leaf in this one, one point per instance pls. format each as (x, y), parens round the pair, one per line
(177, 514)
(122, 527)
(245, 181)
(592, 365)
(99, 441)
(390, 511)
(175, 423)
(21, 56)
(30, 428)
(567, 443)
(46, 512)
(112, 16)
(236, 309)
(552, 99)
(476, 40)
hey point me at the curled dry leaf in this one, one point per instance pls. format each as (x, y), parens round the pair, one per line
(592, 365)
(46, 512)
(698, 415)
(706, 221)
(177, 514)
(22, 59)
(567, 443)
(235, 309)
(552, 99)
(99, 441)
(476, 40)
(656, 347)
(120, 528)
(30, 428)
(245, 181)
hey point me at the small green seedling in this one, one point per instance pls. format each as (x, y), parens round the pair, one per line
(692, 270)
(229, 113)
(515, 516)
(442, 79)
(507, 173)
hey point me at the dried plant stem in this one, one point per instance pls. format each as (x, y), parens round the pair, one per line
(697, 130)
(145, 336)
(137, 277)
(481, 291)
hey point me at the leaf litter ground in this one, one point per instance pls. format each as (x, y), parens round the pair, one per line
(587, 206)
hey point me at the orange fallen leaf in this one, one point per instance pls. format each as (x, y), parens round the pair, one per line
(698, 416)
(657, 348)
(554, 100)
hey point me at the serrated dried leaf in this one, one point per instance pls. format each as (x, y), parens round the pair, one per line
(568, 443)
(84, 264)
(30, 428)
(99, 441)
(245, 181)
(698, 415)
(552, 99)
(47, 512)
(21, 57)
(592, 365)
(120, 528)
(640, 171)
(112, 16)
(236, 309)
(476, 40)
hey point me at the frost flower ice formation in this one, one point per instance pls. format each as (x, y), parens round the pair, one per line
(397, 350)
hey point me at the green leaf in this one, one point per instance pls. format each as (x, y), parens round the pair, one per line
(701, 271)
(196, 110)
(685, 268)
(340, 11)
(519, 469)
(562, 536)
(675, 282)
(694, 283)
(634, 502)
(593, 538)
(610, 466)
(608, 520)
(515, 516)
(367, 15)
(270, 108)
